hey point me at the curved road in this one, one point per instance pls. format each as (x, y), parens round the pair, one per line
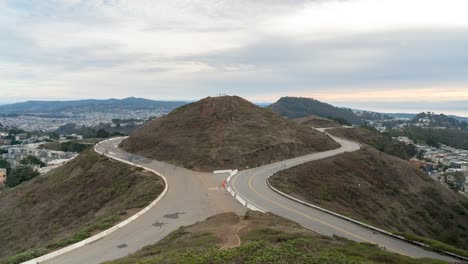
(195, 196)
(251, 185)
(191, 197)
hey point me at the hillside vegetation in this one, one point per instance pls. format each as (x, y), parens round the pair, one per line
(381, 141)
(316, 121)
(70, 203)
(59, 107)
(434, 137)
(264, 239)
(224, 132)
(385, 191)
(297, 107)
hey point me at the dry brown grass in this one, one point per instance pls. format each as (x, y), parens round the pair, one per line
(316, 121)
(224, 132)
(70, 199)
(385, 191)
(265, 238)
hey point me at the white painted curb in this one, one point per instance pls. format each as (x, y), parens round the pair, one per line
(112, 229)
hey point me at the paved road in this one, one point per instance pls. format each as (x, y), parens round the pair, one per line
(251, 185)
(191, 197)
(194, 196)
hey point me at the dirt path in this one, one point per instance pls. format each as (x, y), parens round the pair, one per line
(230, 235)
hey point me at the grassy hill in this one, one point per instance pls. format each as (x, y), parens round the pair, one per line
(385, 191)
(88, 194)
(316, 121)
(381, 141)
(56, 107)
(297, 107)
(258, 238)
(224, 132)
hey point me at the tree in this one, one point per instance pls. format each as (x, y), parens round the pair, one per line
(20, 174)
(54, 136)
(31, 161)
(4, 164)
(102, 133)
(458, 180)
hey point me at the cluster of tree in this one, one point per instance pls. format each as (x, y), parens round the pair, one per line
(387, 144)
(21, 173)
(86, 132)
(340, 121)
(458, 180)
(5, 165)
(441, 120)
(32, 161)
(434, 137)
(71, 146)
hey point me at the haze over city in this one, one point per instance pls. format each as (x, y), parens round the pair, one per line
(390, 56)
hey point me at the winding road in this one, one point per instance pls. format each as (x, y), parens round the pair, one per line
(195, 196)
(191, 197)
(252, 186)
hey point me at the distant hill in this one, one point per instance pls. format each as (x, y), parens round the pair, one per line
(297, 107)
(429, 119)
(90, 105)
(222, 133)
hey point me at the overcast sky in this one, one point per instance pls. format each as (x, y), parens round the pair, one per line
(359, 52)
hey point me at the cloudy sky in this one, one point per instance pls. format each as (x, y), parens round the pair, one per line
(383, 55)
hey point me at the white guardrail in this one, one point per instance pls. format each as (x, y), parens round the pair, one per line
(112, 229)
(236, 196)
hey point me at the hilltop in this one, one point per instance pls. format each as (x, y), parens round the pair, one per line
(297, 107)
(89, 194)
(259, 238)
(79, 106)
(224, 132)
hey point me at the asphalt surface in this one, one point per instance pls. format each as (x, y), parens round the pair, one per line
(191, 197)
(195, 196)
(251, 185)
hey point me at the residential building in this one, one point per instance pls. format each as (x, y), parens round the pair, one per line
(3, 175)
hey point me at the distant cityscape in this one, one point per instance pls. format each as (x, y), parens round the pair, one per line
(37, 122)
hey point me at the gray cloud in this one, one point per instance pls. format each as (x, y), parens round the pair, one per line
(180, 50)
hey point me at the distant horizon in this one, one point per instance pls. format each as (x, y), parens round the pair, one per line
(335, 51)
(446, 108)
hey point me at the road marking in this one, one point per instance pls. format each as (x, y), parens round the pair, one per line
(237, 194)
(312, 218)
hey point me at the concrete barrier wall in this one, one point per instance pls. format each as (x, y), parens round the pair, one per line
(112, 229)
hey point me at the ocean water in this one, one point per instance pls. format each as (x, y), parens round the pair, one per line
(458, 108)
